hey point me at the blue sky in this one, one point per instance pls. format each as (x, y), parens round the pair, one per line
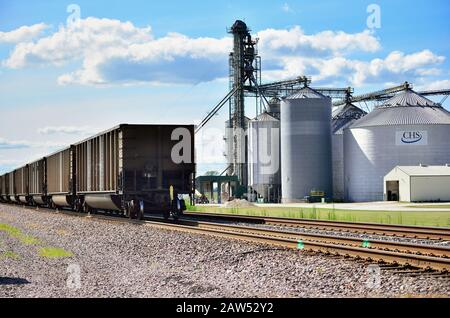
(166, 61)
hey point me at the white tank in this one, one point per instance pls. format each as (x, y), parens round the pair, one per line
(407, 130)
(305, 145)
(264, 158)
(342, 117)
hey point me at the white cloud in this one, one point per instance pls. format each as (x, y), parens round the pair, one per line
(435, 85)
(396, 63)
(114, 52)
(294, 42)
(72, 130)
(5, 144)
(396, 67)
(92, 38)
(24, 33)
(22, 144)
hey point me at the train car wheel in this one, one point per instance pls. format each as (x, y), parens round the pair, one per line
(132, 210)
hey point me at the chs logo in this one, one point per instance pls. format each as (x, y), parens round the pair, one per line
(411, 137)
(419, 138)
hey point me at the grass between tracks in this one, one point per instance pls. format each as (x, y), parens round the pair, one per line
(419, 218)
(16, 233)
(49, 252)
(9, 254)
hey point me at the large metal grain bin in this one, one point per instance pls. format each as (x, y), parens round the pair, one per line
(60, 177)
(38, 181)
(265, 157)
(134, 163)
(21, 184)
(273, 108)
(305, 145)
(407, 130)
(342, 117)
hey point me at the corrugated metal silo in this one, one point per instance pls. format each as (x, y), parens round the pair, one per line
(274, 107)
(342, 117)
(264, 157)
(305, 145)
(406, 130)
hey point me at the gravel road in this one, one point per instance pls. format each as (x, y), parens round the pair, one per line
(41, 254)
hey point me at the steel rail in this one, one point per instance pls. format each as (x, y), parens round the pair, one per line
(424, 249)
(365, 228)
(375, 255)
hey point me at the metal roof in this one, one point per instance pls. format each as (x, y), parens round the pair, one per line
(344, 116)
(409, 98)
(406, 108)
(265, 117)
(306, 92)
(425, 170)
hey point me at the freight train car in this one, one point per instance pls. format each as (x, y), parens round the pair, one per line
(11, 193)
(21, 184)
(60, 179)
(2, 187)
(37, 182)
(130, 169)
(5, 188)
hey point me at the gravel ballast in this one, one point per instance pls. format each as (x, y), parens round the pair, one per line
(41, 253)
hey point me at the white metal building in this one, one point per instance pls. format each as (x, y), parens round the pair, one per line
(418, 184)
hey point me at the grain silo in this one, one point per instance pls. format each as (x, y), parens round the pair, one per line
(342, 117)
(305, 145)
(264, 158)
(273, 107)
(407, 130)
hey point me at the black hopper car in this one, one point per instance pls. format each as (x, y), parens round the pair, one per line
(129, 169)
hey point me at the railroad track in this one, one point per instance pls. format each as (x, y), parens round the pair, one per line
(415, 255)
(397, 253)
(419, 232)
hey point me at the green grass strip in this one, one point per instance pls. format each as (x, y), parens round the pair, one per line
(17, 233)
(54, 252)
(9, 254)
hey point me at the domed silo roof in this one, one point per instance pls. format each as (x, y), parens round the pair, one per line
(344, 116)
(408, 130)
(406, 108)
(306, 92)
(266, 117)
